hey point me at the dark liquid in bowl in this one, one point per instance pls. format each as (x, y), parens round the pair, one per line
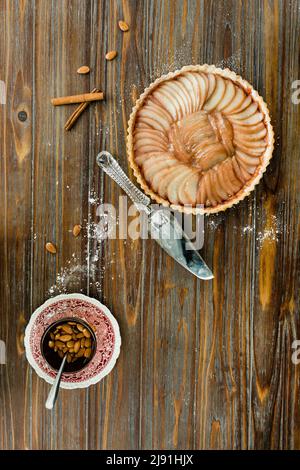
(53, 358)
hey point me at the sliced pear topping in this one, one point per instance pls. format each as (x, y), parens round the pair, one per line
(164, 182)
(255, 119)
(174, 185)
(228, 95)
(212, 83)
(252, 108)
(238, 99)
(203, 88)
(166, 101)
(255, 149)
(247, 159)
(179, 97)
(188, 190)
(216, 96)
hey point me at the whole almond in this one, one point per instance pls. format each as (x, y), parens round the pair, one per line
(123, 26)
(51, 248)
(67, 329)
(87, 352)
(86, 333)
(80, 353)
(76, 230)
(83, 70)
(65, 338)
(111, 55)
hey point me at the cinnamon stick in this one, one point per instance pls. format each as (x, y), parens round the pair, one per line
(85, 97)
(78, 111)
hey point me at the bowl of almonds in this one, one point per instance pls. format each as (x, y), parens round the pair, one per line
(80, 327)
(72, 337)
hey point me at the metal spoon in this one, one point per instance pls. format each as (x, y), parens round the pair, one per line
(50, 402)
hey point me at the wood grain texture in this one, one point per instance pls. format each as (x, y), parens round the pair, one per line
(203, 365)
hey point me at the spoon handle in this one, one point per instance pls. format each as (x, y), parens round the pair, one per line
(50, 402)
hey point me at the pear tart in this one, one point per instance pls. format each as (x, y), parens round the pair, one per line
(199, 136)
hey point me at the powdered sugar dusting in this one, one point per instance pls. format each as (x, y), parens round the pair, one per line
(232, 62)
(69, 278)
(269, 233)
(76, 273)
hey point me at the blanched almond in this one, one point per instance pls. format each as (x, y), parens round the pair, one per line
(111, 55)
(123, 26)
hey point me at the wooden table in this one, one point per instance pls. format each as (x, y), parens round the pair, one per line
(204, 365)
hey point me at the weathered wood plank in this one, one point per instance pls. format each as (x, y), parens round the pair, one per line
(116, 399)
(60, 197)
(16, 152)
(276, 320)
(170, 293)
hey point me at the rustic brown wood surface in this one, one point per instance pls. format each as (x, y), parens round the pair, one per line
(204, 365)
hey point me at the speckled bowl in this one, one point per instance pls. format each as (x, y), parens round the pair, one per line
(99, 318)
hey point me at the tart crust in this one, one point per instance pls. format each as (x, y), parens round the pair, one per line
(265, 157)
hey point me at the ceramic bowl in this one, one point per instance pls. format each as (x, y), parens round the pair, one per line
(86, 309)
